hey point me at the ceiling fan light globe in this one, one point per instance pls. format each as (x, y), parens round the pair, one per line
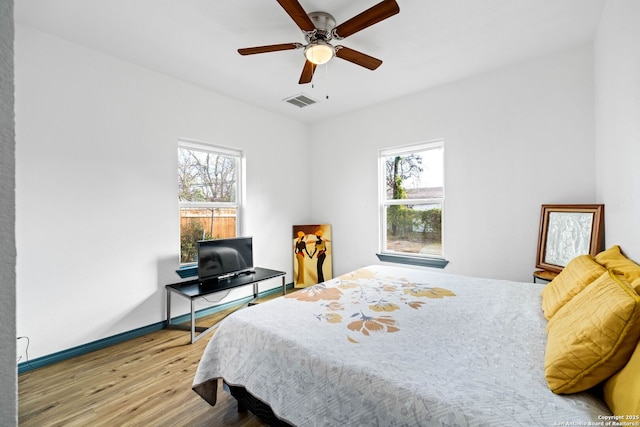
(319, 53)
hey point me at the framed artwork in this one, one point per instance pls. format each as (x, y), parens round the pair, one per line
(567, 231)
(312, 262)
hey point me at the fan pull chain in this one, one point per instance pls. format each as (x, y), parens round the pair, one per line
(313, 80)
(326, 76)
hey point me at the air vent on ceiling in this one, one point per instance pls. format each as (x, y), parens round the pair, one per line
(300, 100)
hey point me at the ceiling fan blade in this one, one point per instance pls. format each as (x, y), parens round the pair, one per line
(268, 48)
(373, 15)
(297, 13)
(307, 72)
(357, 58)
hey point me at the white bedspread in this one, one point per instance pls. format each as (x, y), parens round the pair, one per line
(388, 346)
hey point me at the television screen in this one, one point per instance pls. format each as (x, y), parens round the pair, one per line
(224, 257)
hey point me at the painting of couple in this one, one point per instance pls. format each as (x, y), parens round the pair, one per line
(311, 254)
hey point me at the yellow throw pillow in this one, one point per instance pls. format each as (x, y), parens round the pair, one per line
(613, 258)
(622, 391)
(578, 273)
(593, 335)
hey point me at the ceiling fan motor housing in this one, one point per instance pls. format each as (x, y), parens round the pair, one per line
(324, 23)
(319, 50)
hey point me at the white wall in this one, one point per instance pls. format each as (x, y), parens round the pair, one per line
(515, 138)
(97, 217)
(617, 81)
(89, 125)
(8, 385)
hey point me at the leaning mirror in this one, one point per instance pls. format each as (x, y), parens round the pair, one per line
(567, 231)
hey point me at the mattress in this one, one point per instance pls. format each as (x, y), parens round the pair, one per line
(394, 346)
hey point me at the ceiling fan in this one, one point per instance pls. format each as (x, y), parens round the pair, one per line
(319, 28)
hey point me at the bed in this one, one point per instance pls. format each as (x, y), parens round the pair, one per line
(392, 346)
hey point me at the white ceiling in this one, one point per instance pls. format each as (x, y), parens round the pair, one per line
(428, 43)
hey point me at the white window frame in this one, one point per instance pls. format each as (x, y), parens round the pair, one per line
(240, 178)
(383, 203)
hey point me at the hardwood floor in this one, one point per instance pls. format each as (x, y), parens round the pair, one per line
(142, 382)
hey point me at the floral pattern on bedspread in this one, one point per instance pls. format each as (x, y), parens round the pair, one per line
(373, 294)
(393, 346)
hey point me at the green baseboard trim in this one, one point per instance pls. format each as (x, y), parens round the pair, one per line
(59, 356)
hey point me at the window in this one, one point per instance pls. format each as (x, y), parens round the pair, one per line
(412, 203)
(209, 183)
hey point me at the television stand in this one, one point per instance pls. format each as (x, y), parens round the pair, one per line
(194, 290)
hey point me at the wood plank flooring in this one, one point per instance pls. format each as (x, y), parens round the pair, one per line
(142, 382)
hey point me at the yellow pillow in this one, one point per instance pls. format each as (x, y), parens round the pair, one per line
(622, 391)
(578, 273)
(593, 335)
(613, 258)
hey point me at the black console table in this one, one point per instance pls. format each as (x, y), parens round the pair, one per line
(193, 290)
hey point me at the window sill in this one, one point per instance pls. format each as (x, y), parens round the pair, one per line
(187, 271)
(413, 260)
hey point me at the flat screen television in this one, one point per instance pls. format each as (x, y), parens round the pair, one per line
(221, 258)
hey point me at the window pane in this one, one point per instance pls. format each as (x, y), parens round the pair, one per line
(415, 175)
(205, 176)
(414, 229)
(208, 195)
(201, 224)
(412, 193)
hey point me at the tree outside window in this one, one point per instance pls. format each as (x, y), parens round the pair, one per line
(412, 199)
(208, 195)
